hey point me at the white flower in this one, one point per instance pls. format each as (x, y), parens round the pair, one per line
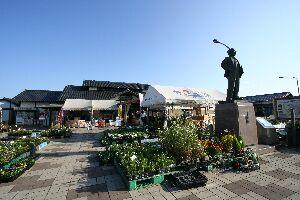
(133, 157)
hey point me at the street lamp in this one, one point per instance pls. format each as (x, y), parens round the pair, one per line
(218, 42)
(296, 82)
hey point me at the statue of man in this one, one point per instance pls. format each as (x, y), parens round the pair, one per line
(233, 72)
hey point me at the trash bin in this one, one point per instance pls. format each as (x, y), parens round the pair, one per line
(266, 132)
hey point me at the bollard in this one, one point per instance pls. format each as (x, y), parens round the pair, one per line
(293, 120)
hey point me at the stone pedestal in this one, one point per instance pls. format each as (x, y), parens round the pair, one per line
(239, 118)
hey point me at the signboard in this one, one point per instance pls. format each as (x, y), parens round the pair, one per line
(284, 108)
(19, 120)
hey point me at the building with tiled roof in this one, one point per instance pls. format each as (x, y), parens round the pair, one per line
(6, 110)
(42, 106)
(263, 104)
(102, 90)
(38, 96)
(80, 92)
(115, 85)
(37, 107)
(267, 97)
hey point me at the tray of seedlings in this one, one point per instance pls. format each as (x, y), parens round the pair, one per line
(189, 179)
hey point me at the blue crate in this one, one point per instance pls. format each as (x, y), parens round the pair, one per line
(41, 146)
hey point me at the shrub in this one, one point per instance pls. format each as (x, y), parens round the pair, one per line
(180, 138)
(241, 141)
(236, 145)
(232, 143)
(227, 142)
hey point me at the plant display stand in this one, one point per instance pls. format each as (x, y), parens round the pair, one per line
(140, 183)
(16, 170)
(15, 160)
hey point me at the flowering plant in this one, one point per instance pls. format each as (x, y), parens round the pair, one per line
(10, 150)
(15, 170)
(54, 132)
(122, 135)
(214, 149)
(138, 160)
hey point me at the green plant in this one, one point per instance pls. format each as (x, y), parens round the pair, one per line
(105, 157)
(57, 132)
(20, 132)
(236, 145)
(180, 138)
(227, 142)
(232, 143)
(123, 135)
(16, 170)
(214, 149)
(241, 141)
(4, 127)
(141, 160)
(11, 150)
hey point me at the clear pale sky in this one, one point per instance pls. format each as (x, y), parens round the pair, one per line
(47, 44)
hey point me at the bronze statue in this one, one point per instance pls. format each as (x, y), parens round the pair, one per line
(233, 72)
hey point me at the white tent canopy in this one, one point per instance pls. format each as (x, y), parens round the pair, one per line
(161, 96)
(83, 104)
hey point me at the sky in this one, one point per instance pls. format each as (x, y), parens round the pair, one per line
(48, 44)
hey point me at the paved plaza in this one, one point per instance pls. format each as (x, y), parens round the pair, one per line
(68, 169)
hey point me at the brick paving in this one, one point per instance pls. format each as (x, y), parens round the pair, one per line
(69, 169)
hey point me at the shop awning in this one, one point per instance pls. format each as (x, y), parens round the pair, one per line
(82, 104)
(77, 104)
(51, 105)
(104, 105)
(24, 109)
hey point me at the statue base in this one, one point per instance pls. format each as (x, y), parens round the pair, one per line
(238, 118)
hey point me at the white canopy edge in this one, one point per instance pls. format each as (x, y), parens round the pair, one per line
(161, 96)
(83, 104)
(77, 104)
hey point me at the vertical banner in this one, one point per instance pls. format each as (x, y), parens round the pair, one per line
(141, 97)
(120, 111)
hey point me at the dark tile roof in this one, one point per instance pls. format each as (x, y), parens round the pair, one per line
(79, 92)
(266, 97)
(38, 96)
(120, 85)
